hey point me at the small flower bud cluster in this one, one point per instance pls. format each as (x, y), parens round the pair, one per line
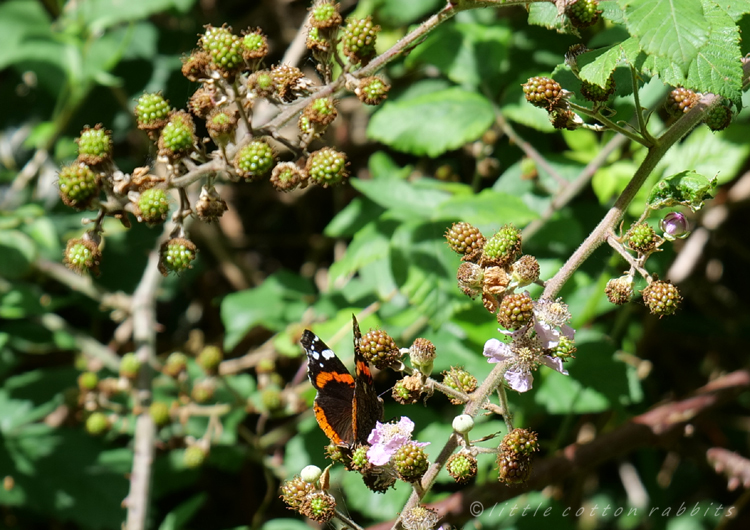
(547, 93)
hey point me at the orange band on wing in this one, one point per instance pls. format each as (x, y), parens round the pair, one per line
(320, 415)
(323, 378)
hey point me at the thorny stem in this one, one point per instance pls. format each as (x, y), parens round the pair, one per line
(635, 263)
(643, 129)
(610, 124)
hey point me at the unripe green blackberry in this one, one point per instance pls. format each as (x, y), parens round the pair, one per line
(271, 398)
(82, 255)
(196, 67)
(261, 84)
(152, 206)
(680, 100)
(321, 112)
(327, 167)
(642, 238)
(513, 468)
(372, 90)
(464, 238)
(719, 117)
(461, 380)
(470, 277)
(194, 456)
(305, 126)
(565, 349)
(325, 14)
(619, 291)
(210, 358)
(221, 124)
(87, 381)
(287, 176)
(78, 184)
(318, 44)
(379, 348)
(254, 48)
(594, 92)
(318, 506)
(516, 310)
(175, 365)
(422, 354)
(203, 390)
(662, 298)
(521, 442)
(335, 453)
(254, 160)
(583, 13)
(97, 424)
(177, 255)
(359, 459)
(225, 50)
(288, 82)
(359, 39)
(525, 270)
(159, 412)
(411, 462)
(462, 467)
(408, 390)
(177, 138)
(210, 205)
(542, 91)
(502, 248)
(294, 491)
(129, 366)
(94, 145)
(151, 111)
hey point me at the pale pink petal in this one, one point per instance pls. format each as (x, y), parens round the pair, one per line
(553, 362)
(519, 381)
(378, 456)
(497, 351)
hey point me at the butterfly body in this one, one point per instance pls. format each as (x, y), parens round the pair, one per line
(347, 407)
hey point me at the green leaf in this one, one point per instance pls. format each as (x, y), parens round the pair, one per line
(545, 14)
(672, 29)
(735, 8)
(285, 524)
(102, 14)
(370, 244)
(279, 300)
(686, 188)
(598, 65)
(17, 251)
(433, 123)
(397, 13)
(408, 198)
(180, 516)
(487, 210)
(25, 34)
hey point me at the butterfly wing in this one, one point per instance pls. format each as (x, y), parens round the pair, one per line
(335, 385)
(367, 407)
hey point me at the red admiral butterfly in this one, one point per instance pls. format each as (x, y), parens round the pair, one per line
(346, 407)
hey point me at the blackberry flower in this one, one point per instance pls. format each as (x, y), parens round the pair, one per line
(551, 319)
(521, 357)
(387, 438)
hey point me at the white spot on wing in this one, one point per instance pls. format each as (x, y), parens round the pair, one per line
(328, 354)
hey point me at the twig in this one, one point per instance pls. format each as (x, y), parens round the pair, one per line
(87, 345)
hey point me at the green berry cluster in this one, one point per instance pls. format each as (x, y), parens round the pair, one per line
(642, 238)
(583, 13)
(719, 117)
(594, 92)
(210, 358)
(359, 39)
(175, 365)
(411, 462)
(97, 423)
(159, 412)
(94, 145)
(129, 366)
(293, 492)
(521, 441)
(502, 248)
(194, 456)
(82, 255)
(88, 381)
(78, 185)
(662, 298)
(287, 176)
(516, 310)
(225, 50)
(327, 167)
(372, 90)
(379, 348)
(177, 138)
(177, 255)
(542, 91)
(513, 468)
(254, 160)
(325, 15)
(459, 379)
(151, 112)
(254, 48)
(462, 467)
(221, 124)
(321, 112)
(565, 349)
(153, 205)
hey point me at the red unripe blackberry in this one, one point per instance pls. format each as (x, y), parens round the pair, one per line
(379, 348)
(583, 13)
(680, 100)
(254, 160)
(411, 462)
(515, 310)
(177, 255)
(463, 238)
(372, 90)
(642, 238)
(513, 468)
(662, 298)
(594, 92)
(151, 112)
(521, 441)
(78, 185)
(542, 91)
(359, 39)
(327, 167)
(94, 145)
